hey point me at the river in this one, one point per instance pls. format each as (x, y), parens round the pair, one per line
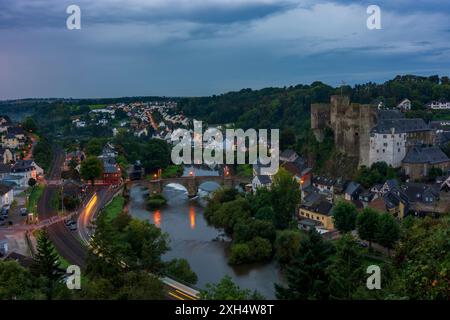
(192, 238)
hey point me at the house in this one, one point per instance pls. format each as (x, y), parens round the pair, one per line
(77, 155)
(6, 156)
(388, 186)
(18, 132)
(16, 181)
(420, 160)
(261, 181)
(405, 105)
(10, 141)
(445, 184)
(6, 195)
(438, 105)
(27, 168)
(325, 186)
(301, 172)
(24, 261)
(317, 208)
(288, 156)
(3, 246)
(4, 170)
(352, 191)
(394, 202)
(426, 198)
(367, 196)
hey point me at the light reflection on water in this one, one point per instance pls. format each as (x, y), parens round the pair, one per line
(192, 238)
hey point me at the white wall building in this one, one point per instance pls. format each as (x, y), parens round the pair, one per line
(405, 105)
(439, 105)
(387, 147)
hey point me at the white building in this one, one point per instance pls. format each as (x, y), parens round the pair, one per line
(6, 195)
(387, 147)
(438, 105)
(405, 105)
(261, 181)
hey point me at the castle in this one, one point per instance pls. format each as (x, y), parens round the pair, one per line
(351, 124)
(368, 134)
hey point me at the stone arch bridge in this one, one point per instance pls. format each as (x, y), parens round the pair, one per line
(190, 183)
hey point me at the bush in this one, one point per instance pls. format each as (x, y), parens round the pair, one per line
(156, 201)
(256, 250)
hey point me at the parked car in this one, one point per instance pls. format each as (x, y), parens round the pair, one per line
(5, 211)
(23, 211)
(69, 222)
(73, 227)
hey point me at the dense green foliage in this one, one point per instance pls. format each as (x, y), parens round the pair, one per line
(226, 289)
(91, 169)
(180, 270)
(379, 172)
(254, 219)
(344, 216)
(47, 264)
(307, 275)
(156, 201)
(42, 154)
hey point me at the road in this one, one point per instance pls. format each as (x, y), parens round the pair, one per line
(71, 245)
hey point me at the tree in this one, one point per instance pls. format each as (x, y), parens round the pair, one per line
(156, 155)
(367, 225)
(17, 282)
(246, 230)
(346, 271)
(94, 146)
(287, 138)
(180, 269)
(91, 169)
(388, 231)
(29, 125)
(287, 245)
(307, 276)
(146, 244)
(31, 182)
(139, 285)
(421, 260)
(47, 263)
(260, 248)
(265, 213)
(240, 253)
(285, 198)
(226, 289)
(344, 216)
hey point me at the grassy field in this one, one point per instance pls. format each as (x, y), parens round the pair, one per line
(114, 208)
(97, 106)
(34, 195)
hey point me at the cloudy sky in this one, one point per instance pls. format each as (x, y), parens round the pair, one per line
(202, 47)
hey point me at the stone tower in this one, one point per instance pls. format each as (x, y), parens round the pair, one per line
(350, 122)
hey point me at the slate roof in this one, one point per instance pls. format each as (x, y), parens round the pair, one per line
(324, 181)
(23, 165)
(288, 153)
(400, 125)
(431, 155)
(4, 188)
(390, 114)
(416, 192)
(352, 187)
(264, 179)
(4, 168)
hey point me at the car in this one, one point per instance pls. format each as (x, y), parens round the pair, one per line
(69, 222)
(362, 244)
(73, 227)
(23, 211)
